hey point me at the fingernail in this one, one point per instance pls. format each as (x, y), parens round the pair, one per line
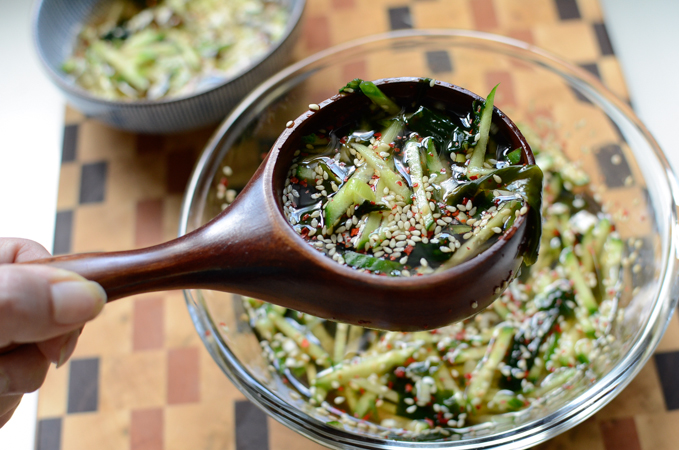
(68, 347)
(77, 301)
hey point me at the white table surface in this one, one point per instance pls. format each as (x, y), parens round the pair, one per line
(31, 125)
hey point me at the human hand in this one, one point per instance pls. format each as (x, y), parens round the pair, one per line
(42, 311)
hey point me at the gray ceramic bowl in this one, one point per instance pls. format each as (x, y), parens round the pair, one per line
(56, 24)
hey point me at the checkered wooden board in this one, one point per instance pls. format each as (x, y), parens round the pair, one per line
(140, 378)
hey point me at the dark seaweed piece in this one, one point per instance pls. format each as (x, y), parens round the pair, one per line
(555, 302)
(523, 180)
(371, 263)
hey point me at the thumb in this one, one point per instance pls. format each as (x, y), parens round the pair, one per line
(40, 302)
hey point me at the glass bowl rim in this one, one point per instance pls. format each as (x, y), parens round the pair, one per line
(526, 434)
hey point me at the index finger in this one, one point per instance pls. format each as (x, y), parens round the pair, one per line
(20, 250)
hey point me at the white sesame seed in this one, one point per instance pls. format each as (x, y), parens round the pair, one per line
(289, 124)
(423, 262)
(497, 230)
(314, 107)
(497, 179)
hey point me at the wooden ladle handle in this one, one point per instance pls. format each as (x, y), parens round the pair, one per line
(230, 249)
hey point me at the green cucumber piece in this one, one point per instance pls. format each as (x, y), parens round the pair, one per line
(482, 376)
(393, 180)
(514, 157)
(352, 192)
(583, 293)
(379, 364)
(479, 154)
(377, 97)
(473, 245)
(412, 154)
(434, 163)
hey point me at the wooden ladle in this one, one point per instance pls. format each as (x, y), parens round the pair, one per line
(250, 249)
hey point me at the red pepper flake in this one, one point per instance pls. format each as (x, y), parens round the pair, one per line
(409, 361)
(408, 250)
(409, 387)
(391, 145)
(354, 231)
(207, 333)
(415, 185)
(294, 180)
(399, 183)
(303, 183)
(473, 177)
(224, 182)
(378, 135)
(429, 421)
(304, 343)
(468, 376)
(305, 216)
(399, 372)
(412, 229)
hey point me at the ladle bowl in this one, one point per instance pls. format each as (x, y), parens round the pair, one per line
(250, 248)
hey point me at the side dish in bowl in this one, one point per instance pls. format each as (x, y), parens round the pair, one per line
(162, 67)
(152, 50)
(567, 335)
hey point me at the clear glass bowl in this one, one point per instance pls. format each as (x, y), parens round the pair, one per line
(629, 175)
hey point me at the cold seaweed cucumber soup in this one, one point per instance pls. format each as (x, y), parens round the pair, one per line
(405, 191)
(541, 341)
